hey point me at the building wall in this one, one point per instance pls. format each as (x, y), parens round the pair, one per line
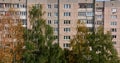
(112, 21)
(73, 8)
(65, 36)
(19, 7)
(66, 30)
(108, 16)
(99, 14)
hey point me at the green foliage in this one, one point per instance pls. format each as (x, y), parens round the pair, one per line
(92, 47)
(85, 46)
(39, 41)
(36, 13)
(102, 47)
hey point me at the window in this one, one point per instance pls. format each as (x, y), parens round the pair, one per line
(24, 21)
(49, 14)
(49, 22)
(85, 5)
(8, 5)
(89, 13)
(23, 13)
(99, 9)
(66, 29)
(86, 21)
(55, 21)
(81, 13)
(85, 13)
(66, 6)
(113, 30)
(82, 5)
(99, 16)
(49, 5)
(16, 5)
(22, 6)
(55, 14)
(67, 13)
(66, 37)
(113, 23)
(55, 5)
(89, 21)
(114, 10)
(55, 29)
(89, 5)
(113, 16)
(114, 36)
(55, 37)
(66, 21)
(1, 5)
(99, 22)
(66, 45)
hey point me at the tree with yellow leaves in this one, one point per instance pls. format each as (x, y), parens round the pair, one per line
(79, 44)
(11, 42)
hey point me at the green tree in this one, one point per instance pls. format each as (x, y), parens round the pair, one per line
(92, 47)
(39, 41)
(57, 54)
(103, 50)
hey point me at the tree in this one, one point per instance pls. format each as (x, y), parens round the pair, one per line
(103, 50)
(37, 38)
(39, 41)
(79, 44)
(92, 47)
(35, 13)
(11, 37)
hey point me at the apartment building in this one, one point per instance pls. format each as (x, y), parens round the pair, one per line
(60, 15)
(107, 15)
(112, 21)
(63, 15)
(18, 5)
(11, 12)
(99, 14)
(64, 19)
